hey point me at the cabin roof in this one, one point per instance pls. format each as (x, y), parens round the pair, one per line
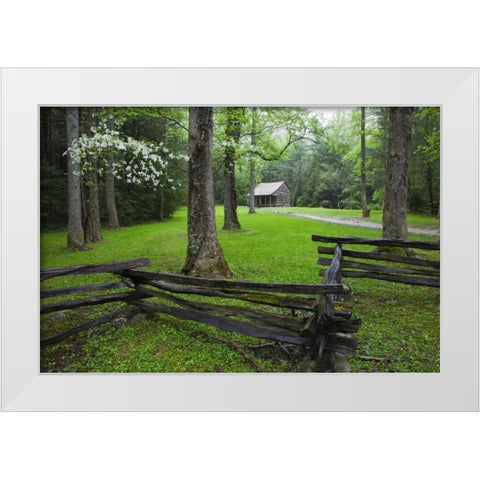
(268, 188)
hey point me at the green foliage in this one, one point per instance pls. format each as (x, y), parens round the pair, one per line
(324, 170)
(53, 197)
(399, 321)
(135, 202)
(319, 160)
(267, 135)
(424, 181)
(321, 172)
(53, 187)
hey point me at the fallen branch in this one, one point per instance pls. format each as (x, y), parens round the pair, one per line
(271, 344)
(373, 359)
(263, 345)
(284, 349)
(233, 344)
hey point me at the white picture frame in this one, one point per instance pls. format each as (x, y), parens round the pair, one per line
(455, 388)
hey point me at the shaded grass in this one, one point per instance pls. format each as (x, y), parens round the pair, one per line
(399, 321)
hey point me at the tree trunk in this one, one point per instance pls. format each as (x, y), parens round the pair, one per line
(46, 162)
(251, 198)
(160, 204)
(91, 210)
(46, 135)
(92, 227)
(110, 196)
(396, 174)
(75, 230)
(430, 188)
(110, 190)
(230, 194)
(204, 255)
(365, 210)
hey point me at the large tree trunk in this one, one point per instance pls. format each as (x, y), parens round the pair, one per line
(365, 210)
(396, 174)
(110, 190)
(75, 230)
(233, 130)
(204, 255)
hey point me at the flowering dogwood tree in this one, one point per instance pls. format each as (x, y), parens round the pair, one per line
(134, 161)
(106, 152)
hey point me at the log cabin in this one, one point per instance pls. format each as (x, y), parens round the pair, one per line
(272, 194)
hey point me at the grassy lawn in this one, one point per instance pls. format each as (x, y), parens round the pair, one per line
(399, 321)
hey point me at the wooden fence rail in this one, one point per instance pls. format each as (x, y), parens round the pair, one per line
(315, 316)
(297, 314)
(113, 267)
(384, 265)
(378, 242)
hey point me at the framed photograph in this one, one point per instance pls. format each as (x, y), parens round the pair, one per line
(28, 385)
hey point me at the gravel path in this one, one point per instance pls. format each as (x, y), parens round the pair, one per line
(363, 223)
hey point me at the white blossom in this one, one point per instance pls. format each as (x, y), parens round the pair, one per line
(149, 163)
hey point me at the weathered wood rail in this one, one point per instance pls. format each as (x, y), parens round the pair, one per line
(297, 314)
(317, 317)
(383, 263)
(391, 260)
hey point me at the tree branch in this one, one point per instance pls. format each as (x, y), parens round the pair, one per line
(176, 122)
(290, 142)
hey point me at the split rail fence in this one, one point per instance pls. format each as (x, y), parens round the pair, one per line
(296, 314)
(315, 316)
(384, 262)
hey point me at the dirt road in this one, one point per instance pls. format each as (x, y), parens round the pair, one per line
(363, 223)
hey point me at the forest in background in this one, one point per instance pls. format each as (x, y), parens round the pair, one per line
(320, 154)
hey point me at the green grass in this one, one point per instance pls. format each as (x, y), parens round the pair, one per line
(399, 321)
